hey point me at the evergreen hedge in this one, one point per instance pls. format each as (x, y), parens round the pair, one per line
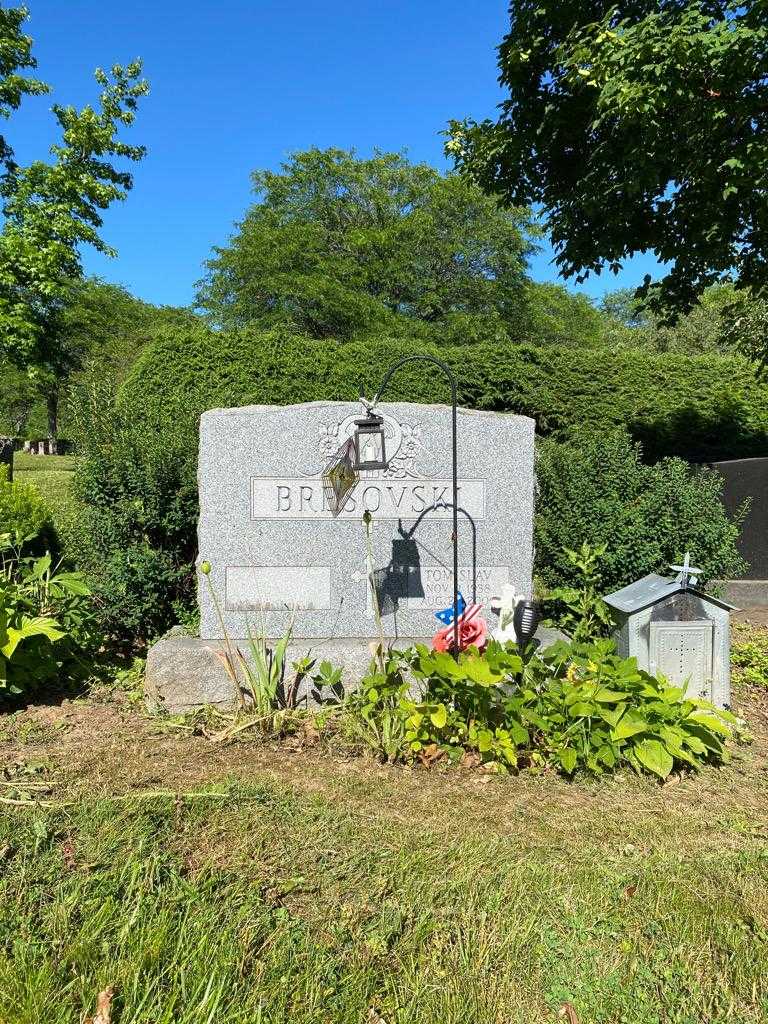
(701, 408)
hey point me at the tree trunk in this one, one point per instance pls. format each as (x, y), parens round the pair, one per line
(52, 402)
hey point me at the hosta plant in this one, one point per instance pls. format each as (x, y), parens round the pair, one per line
(45, 617)
(573, 707)
(468, 706)
(592, 710)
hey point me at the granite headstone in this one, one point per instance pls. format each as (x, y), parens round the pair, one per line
(279, 556)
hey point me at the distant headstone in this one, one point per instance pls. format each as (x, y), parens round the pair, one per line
(748, 479)
(278, 555)
(48, 446)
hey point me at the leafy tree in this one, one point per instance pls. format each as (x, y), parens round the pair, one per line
(18, 399)
(557, 316)
(638, 127)
(53, 208)
(98, 326)
(338, 245)
(623, 306)
(746, 327)
(15, 56)
(722, 320)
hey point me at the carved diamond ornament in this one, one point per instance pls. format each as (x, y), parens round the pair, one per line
(340, 477)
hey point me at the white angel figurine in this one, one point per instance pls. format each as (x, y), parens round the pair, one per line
(504, 607)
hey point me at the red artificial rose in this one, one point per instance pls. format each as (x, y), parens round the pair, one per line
(472, 632)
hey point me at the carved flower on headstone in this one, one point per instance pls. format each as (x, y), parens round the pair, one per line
(328, 441)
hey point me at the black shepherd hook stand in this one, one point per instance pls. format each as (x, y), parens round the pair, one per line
(455, 536)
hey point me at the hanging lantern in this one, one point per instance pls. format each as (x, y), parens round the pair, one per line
(370, 452)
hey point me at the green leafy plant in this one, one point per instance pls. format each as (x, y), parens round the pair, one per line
(265, 670)
(574, 707)
(749, 656)
(130, 680)
(593, 710)
(45, 621)
(467, 709)
(375, 713)
(324, 681)
(580, 610)
(24, 515)
(258, 680)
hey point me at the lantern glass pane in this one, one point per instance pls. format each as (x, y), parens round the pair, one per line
(371, 447)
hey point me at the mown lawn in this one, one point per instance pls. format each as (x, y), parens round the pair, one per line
(283, 882)
(52, 476)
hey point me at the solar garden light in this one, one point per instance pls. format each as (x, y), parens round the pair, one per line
(370, 453)
(526, 619)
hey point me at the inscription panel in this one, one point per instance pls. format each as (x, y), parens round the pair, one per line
(430, 587)
(277, 587)
(284, 498)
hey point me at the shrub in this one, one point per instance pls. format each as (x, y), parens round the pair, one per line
(45, 621)
(577, 707)
(599, 492)
(466, 708)
(700, 408)
(592, 711)
(135, 534)
(23, 512)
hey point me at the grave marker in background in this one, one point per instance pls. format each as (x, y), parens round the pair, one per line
(748, 479)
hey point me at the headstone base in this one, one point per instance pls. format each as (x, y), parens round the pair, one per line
(184, 673)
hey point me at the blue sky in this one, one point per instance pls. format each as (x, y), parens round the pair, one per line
(238, 85)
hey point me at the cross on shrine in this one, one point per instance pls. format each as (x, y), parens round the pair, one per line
(687, 575)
